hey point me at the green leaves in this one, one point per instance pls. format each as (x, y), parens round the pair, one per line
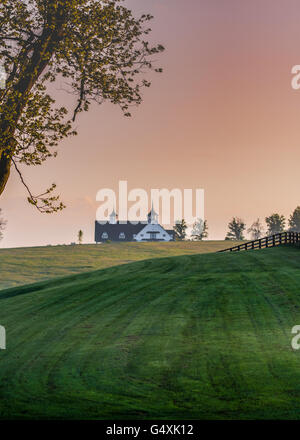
(96, 48)
(275, 223)
(236, 229)
(180, 230)
(294, 220)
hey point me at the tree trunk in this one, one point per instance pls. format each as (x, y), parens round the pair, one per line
(5, 164)
(42, 54)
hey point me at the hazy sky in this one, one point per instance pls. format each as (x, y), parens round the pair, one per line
(223, 116)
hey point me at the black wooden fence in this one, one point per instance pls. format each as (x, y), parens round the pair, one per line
(266, 242)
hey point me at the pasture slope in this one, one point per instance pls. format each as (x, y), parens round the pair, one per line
(27, 265)
(190, 337)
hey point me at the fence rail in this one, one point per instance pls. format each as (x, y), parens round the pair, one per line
(266, 242)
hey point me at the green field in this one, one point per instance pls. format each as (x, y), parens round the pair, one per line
(192, 337)
(26, 265)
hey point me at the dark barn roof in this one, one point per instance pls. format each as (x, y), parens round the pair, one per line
(170, 232)
(114, 230)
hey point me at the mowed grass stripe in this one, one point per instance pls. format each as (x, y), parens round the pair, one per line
(27, 265)
(198, 336)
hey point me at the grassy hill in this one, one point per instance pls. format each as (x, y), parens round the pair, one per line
(27, 265)
(197, 336)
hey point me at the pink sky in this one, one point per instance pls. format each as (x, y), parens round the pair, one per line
(223, 116)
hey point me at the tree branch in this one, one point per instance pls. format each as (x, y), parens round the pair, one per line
(42, 203)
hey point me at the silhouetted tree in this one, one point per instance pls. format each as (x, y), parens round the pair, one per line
(2, 225)
(97, 47)
(80, 236)
(200, 230)
(256, 230)
(294, 220)
(275, 223)
(236, 228)
(180, 230)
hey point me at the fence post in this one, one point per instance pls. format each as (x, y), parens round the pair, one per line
(274, 241)
(259, 243)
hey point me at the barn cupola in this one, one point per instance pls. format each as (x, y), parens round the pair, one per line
(113, 217)
(152, 216)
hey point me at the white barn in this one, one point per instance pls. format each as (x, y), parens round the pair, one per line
(150, 230)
